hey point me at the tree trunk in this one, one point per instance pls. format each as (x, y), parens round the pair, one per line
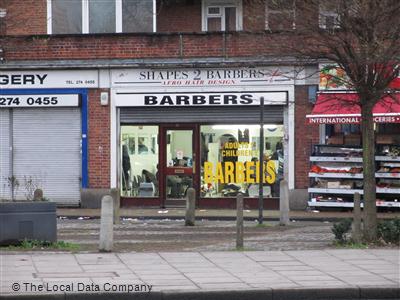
(368, 143)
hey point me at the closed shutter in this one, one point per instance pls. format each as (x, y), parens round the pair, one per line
(199, 114)
(47, 150)
(5, 190)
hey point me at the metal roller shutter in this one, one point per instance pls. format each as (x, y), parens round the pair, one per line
(198, 114)
(47, 149)
(5, 190)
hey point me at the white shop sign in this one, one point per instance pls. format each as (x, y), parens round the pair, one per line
(61, 100)
(202, 77)
(200, 99)
(49, 79)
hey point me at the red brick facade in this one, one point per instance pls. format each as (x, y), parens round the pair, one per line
(98, 141)
(25, 17)
(305, 136)
(185, 17)
(147, 46)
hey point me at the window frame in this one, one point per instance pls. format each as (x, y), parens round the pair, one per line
(221, 4)
(279, 11)
(85, 17)
(323, 14)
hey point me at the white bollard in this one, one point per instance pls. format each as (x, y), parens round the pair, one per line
(284, 203)
(106, 224)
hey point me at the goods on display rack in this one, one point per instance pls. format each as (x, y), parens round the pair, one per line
(336, 173)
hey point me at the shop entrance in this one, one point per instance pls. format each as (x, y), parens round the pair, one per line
(160, 161)
(179, 161)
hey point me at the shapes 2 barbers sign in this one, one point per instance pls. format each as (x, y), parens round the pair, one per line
(49, 79)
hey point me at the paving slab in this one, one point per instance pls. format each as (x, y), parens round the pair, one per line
(301, 273)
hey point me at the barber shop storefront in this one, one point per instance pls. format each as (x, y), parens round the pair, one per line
(200, 128)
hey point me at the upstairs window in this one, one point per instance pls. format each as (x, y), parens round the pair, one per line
(222, 15)
(328, 15)
(280, 15)
(66, 16)
(100, 16)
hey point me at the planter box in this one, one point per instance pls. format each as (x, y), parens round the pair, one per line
(27, 220)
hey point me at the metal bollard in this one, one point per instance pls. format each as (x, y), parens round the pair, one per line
(357, 218)
(190, 207)
(106, 224)
(239, 221)
(284, 203)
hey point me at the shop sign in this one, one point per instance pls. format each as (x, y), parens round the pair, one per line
(61, 100)
(49, 79)
(350, 119)
(238, 172)
(233, 171)
(202, 77)
(200, 99)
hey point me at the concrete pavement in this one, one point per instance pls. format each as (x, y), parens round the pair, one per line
(312, 274)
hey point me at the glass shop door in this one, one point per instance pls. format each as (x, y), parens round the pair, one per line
(179, 162)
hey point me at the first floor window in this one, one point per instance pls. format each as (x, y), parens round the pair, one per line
(222, 15)
(66, 16)
(100, 16)
(137, 16)
(280, 15)
(328, 15)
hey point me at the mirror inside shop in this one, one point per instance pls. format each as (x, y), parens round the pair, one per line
(229, 160)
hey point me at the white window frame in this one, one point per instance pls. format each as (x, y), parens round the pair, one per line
(280, 11)
(85, 17)
(323, 15)
(222, 4)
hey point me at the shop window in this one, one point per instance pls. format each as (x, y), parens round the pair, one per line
(100, 16)
(280, 15)
(230, 160)
(222, 15)
(139, 158)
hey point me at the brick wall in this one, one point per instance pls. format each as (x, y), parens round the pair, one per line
(305, 136)
(25, 17)
(185, 17)
(104, 46)
(253, 15)
(98, 141)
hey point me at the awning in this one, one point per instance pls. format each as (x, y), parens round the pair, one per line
(343, 108)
